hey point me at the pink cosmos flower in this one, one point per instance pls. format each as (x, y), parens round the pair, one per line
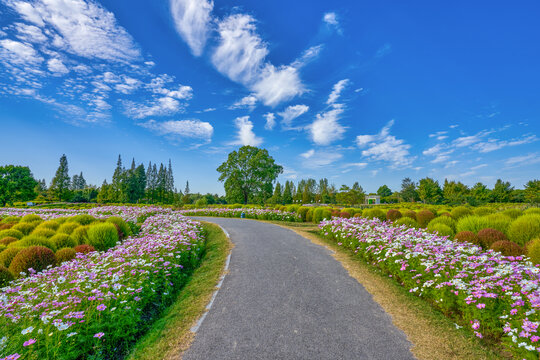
(99, 335)
(481, 306)
(29, 342)
(101, 307)
(13, 357)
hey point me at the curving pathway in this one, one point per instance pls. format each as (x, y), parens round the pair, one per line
(287, 298)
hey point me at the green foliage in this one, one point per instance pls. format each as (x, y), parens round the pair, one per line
(5, 276)
(533, 250)
(406, 221)
(500, 222)
(30, 218)
(350, 196)
(467, 236)
(507, 248)
(8, 240)
(63, 241)
(532, 192)
(34, 240)
(455, 192)
(429, 191)
(11, 233)
(374, 213)
(424, 217)
(483, 211)
(501, 191)
(49, 224)
(248, 174)
(472, 223)
(384, 191)
(45, 232)
(34, 257)
(512, 213)
(487, 237)
(319, 214)
(25, 227)
(532, 211)
(524, 229)
(7, 255)
(459, 212)
(393, 215)
(10, 220)
(441, 229)
(446, 220)
(103, 236)
(83, 219)
(60, 184)
(68, 227)
(122, 225)
(351, 211)
(409, 213)
(84, 248)
(80, 234)
(16, 184)
(302, 211)
(65, 254)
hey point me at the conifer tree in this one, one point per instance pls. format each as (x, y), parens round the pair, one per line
(61, 182)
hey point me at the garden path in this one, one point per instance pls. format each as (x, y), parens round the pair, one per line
(287, 298)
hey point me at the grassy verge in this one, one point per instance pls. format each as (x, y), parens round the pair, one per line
(170, 335)
(432, 334)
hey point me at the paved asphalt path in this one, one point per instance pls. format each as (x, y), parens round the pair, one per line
(287, 298)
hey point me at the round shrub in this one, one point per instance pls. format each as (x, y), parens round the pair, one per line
(533, 251)
(459, 212)
(344, 214)
(65, 254)
(507, 248)
(5, 226)
(407, 221)
(34, 257)
(409, 213)
(533, 210)
(124, 227)
(446, 220)
(80, 234)
(472, 223)
(424, 217)
(320, 213)
(5, 276)
(83, 219)
(63, 241)
(524, 229)
(10, 220)
(393, 215)
(302, 211)
(8, 240)
(61, 220)
(512, 213)
(483, 211)
(499, 222)
(489, 236)
(467, 236)
(351, 211)
(68, 227)
(374, 213)
(45, 232)
(84, 248)
(309, 215)
(12, 233)
(441, 229)
(102, 236)
(25, 227)
(30, 218)
(35, 240)
(7, 255)
(49, 224)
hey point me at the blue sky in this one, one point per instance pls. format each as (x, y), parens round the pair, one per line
(349, 90)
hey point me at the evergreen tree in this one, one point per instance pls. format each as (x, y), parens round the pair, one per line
(187, 191)
(429, 191)
(532, 192)
(455, 193)
(162, 182)
(140, 177)
(501, 191)
(118, 182)
(408, 190)
(61, 181)
(287, 193)
(480, 193)
(277, 198)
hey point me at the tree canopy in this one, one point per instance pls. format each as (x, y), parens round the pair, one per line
(16, 184)
(248, 175)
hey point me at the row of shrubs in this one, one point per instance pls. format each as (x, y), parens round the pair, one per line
(30, 244)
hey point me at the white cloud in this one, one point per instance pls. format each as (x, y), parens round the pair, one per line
(30, 33)
(330, 18)
(57, 67)
(326, 127)
(359, 165)
(308, 154)
(385, 147)
(160, 107)
(477, 167)
(336, 91)
(278, 84)
(18, 53)
(494, 144)
(182, 128)
(320, 158)
(247, 102)
(270, 121)
(245, 135)
(523, 160)
(192, 19)
(291, 113)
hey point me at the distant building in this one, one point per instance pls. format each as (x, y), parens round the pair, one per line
(30, 203)
(373, 199)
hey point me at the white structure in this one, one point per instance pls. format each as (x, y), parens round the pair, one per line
(373, 199)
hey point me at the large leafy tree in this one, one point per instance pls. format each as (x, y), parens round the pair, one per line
(16, 184)
(61, 181)
(501, 191)
(532, 192)
(248, 175)
(429, 191)
(408, 190)
(455, 192)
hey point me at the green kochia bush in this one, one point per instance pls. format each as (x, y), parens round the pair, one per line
(499, 222)
(483, 211)
(533, 251)
(409, 213)
(83, 219)
(65, 254)
(512, 213)
(49, 224)
(12, 233)
(7, 255)
(30, 218)
(68, 227)
(533, 210)
(45, 232)
(459, 212)
(103, 236)
(34, 240)
(406, 221)
(122, 225)
(80, 234)
(5, 276)
(472, 223)
(374, 213)
(302, 211)
(63, 241)
(321, 213)
(441, 229)
(25, 227)
(524, 229)
(446, 220)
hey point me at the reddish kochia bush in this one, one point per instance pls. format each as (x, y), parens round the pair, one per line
(6, 226)
(65, 254)
(34, 257)
(8, 240)
(358, 215)
(344, 214)
(467, 236)
(5, 276)
(508, 248)
(393, 215)
(85, 249)
(7, 255)
(489, 236)
(424, 217)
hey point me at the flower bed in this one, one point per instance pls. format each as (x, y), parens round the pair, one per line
(99, 302)
(260, 214)
(497, 296)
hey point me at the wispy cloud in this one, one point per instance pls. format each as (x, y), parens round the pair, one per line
(319, 158)
(336, 91)
(523, 160)
(326, 127)
(247, 102)
(192, 19)
(180, 129)
(495, 144)
(290, 113)
(245, 135)
(270, 121)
